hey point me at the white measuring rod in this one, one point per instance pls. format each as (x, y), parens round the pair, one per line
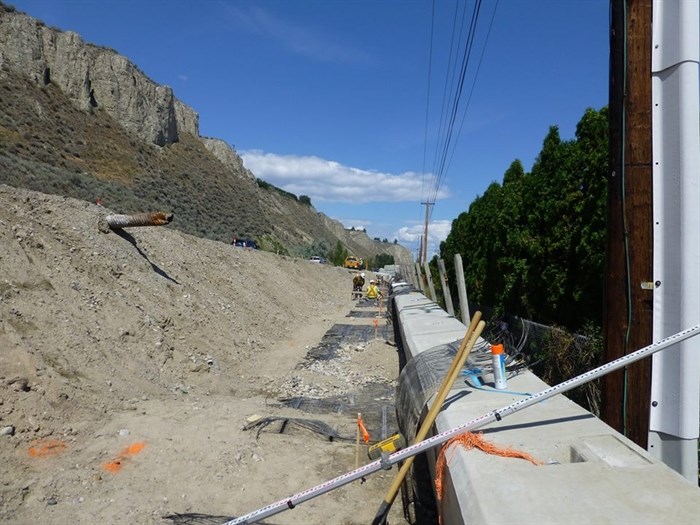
(494, 415)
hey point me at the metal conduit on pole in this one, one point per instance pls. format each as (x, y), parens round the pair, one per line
(462, 290)
(447, 295)
(429, 278)
(158, 218)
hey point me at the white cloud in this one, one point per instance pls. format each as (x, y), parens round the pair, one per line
(437, 232)
(326, 180)
(182, 77)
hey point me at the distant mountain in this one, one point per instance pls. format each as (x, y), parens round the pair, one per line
(82, 121)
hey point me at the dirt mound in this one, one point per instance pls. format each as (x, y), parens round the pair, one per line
(129, 363)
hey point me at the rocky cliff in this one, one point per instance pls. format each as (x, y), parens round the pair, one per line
(93, 77)
(359, 243)
(132, 145)
(401, 255)
(227, 155)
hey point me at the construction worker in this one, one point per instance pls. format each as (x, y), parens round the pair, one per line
(372, 291)
(358, 282)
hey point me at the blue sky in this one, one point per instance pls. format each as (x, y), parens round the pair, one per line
(349, 102)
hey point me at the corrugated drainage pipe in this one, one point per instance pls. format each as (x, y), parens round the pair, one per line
(158, 218)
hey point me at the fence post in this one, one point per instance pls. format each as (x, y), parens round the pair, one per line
(429, 278)
(445, 289)
(408, 274)
(462, 289)
(419, 276)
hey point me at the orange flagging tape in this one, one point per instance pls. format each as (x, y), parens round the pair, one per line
(46, 447)
(116, 465)
(365, 434)
(469, 441)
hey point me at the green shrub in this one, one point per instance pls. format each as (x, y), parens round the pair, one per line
(561, 356)
(270, 244)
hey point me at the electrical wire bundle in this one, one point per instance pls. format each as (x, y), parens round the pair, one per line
(287, 424)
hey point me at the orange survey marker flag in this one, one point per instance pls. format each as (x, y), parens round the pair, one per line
(361, 425)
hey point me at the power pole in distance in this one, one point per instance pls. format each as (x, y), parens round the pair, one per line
(427, 205)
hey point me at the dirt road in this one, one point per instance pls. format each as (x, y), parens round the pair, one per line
(130, 364)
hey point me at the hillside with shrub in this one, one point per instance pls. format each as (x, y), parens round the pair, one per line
(80, 143)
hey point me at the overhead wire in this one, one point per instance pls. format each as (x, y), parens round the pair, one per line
(453, 95)
(449, 82)
(427, 110)
(446, 144)
(447, 95)
(471, 91)
(427, 103)
(457, 98)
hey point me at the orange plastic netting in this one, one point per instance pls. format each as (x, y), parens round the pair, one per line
(471, 441)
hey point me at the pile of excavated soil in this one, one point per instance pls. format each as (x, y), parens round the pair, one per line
(130, 363)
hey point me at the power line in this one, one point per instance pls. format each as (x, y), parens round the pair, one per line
(471, 91)
(427, 102)
(449, 81)
(458, 95)
(448, 137)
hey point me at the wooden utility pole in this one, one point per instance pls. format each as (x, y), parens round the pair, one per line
(424, 257)
(629, 273)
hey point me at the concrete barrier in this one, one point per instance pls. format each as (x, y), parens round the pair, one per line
(589, 473)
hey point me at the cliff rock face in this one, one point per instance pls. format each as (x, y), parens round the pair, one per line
(53, 81)
(227, 155)
(401, 254)
(93, 77)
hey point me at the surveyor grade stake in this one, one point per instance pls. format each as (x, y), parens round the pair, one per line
(495, 415)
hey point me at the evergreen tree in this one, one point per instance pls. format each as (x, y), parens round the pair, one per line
(534, 246)
(338, 254)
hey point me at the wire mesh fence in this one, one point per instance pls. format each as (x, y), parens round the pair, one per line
(551, 353)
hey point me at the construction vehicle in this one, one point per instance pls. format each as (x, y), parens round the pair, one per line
(352, 262)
